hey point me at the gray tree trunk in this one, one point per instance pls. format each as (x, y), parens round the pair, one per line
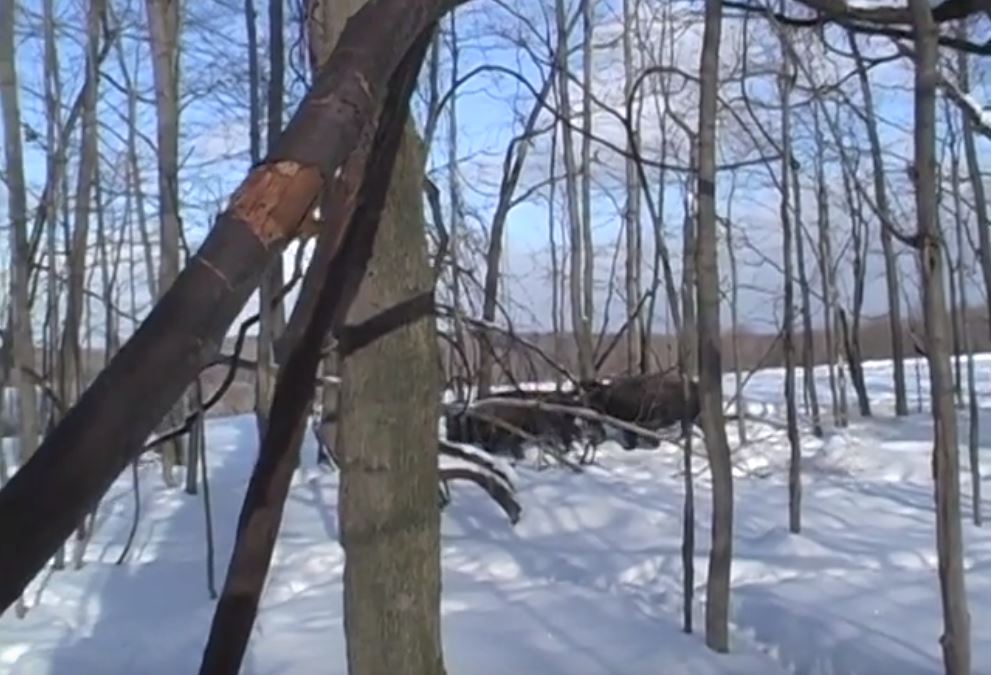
(20, 309)
(163, 28)
(387, 445)
(580, 326)
(795, 448)
(272, 318)
(955, 641)
(826, 266)
(387, 437)
(809, 379)
(710, 373)
(885, 218)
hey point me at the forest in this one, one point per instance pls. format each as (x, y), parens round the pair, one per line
(547, 336)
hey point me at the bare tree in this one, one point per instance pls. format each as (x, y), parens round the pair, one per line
(785, 84)
(710, 370)
(955, 641)
(885, 230)
(581, 324)
(163, 28)
(20, 310)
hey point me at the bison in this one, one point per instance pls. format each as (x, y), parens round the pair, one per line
(654, 401)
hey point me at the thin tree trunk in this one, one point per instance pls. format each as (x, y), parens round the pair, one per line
(955, 641)
(885, 225)
(580, 327)
(163, 27)
(975, 176)
(734, 325)
(272, 319)
(809, 379)
(588, 257)
(828, 288)
(20, 309)
(710, 372)
(632, 206)
(974, 461)
(795, 449)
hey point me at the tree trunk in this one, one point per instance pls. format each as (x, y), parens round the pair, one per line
(580, 326)
(974, 462)
(710, 371)
(826, 267)
(975, 175)
(163, 28)
(955, 641)
(97, 439)
(885, 225)
(795, 449)
(387, 442)
(20, 264)
(809, 379)
(272, 319)
(588, 256)
(632, 206)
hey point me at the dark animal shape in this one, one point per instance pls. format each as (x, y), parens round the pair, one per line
(654, 401)
(551, 426)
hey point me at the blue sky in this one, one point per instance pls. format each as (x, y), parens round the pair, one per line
(214, 144)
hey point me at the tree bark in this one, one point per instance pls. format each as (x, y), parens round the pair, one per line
(955, 641)
(710, 370)
(20, 309)
(272, 319)
(581, 326)
(792, 426)
(632, 206)
(163, 27)
(97, 439)
(885, 225)
(809, 379)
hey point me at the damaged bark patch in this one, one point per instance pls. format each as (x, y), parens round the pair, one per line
(275, 198)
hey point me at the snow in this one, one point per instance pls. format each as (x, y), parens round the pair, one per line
(589, 580)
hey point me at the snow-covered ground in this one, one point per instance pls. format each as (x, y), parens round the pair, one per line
(587, 582)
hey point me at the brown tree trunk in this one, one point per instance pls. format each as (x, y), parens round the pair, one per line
(710, 371)
(955, 641)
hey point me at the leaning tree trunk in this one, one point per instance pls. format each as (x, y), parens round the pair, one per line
(163, 27)
(955, 641)
(710, 372)
(97, 439)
